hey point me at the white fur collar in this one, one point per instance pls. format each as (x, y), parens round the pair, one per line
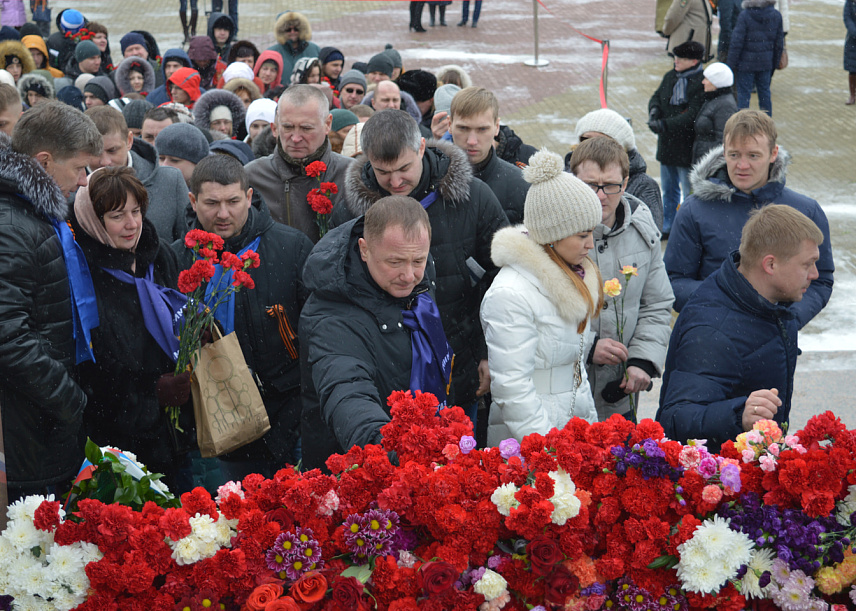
(513, 247)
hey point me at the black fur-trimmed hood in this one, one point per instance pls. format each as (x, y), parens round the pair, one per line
(450, 173)
(709, 177)
(213, 98)
(33, 78)
(23, 175)
(122, 75)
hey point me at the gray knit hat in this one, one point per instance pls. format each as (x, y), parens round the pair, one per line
(134, 111)
(85, 49)
(609, 122)
(352, 76)
(381, 62)
(443, 97)
(558, 204)
(182, 140)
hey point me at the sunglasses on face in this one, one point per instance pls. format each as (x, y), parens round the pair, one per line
(292, 29)
(357, 91)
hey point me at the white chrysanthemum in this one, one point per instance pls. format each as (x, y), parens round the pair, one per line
(491, 585)
(566, 505)
(64, 600)
(89, 552)
(23, 535)
(503, 498)
(65, 560)
(762, 561)
(25, 602)
(37, 581)
(79, 584)
(712, 556)
(8, 553)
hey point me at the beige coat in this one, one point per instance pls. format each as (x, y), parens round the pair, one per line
(688, 20)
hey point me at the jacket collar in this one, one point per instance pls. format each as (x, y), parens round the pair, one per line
(710, 182)
(447, 167)
(738, 288)
(512, 247)
(23, 175)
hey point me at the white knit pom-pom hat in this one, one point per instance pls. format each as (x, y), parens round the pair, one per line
(558, 204)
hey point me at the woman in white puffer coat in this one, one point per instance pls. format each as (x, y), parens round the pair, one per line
(536, 313)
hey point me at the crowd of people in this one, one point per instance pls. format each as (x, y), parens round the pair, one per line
(451, 257)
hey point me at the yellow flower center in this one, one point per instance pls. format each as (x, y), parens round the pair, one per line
(297, 565)
(308, 552)
(304, 538)
(354, 527)
(375, 525)
(286, 545)
(206, 603)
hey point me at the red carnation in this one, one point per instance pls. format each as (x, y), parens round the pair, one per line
(46, 516)
(243, 279)
(175, 524)
(253, 257)
(329, 187)
(316, 168)
(437, 577)
(319, 203)
(188, 281)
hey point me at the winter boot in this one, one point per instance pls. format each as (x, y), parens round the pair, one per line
(194, 15)
(442, 15)
(184, 27)
(852, 83)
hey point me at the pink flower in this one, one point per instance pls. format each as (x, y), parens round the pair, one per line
(754, 436)
(791, 441)
(768, 463)
(748, 455)
(773, 449)
(690, 457)
(711, 494)
(707, 467)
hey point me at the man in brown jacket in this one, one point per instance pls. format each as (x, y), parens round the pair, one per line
(302, 123)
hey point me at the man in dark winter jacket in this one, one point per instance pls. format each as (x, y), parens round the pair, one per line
(474, 124)
(464, 215)
(671, 113)
(733, 351)
(303, 121)
(42, 406)
(168, 200)
(756, 46)
(371, 285)
(749, 172)
(265, 317)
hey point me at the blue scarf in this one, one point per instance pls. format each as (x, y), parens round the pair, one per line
(679, 91)
(84, 309)
(225, 313)
(429, 199)
(431, 368)
(161, 308)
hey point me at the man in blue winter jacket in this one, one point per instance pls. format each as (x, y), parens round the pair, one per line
(728, 183)
(733, 350)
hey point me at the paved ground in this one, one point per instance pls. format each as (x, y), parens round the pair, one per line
(542, 105)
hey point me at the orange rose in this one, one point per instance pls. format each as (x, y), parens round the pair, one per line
(310, 588)
(285, 603)
(263, 595)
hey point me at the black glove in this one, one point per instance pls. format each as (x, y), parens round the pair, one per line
(656, 126)
(654, 113)
(173, 390)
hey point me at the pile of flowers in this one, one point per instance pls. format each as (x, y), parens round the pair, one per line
(609, 515)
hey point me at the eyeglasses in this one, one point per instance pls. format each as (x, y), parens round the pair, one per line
(352, 90)
(608, 189)
(293, 29)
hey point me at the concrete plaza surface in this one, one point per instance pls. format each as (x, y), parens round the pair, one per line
(543, 104)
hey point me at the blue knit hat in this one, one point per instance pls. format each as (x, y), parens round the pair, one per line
(132, 38)
(71, 21)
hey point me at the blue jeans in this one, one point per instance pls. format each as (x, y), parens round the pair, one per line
(673, 179)
(761, 81)
(476, 11)
(182, 6)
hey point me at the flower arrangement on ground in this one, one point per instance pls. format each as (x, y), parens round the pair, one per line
(594, 516)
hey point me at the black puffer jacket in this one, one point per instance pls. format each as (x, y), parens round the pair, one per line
(41, 404)
(511, 148)
(675, 143)
(718, 107)
(640, 185)
(123, 409)
(354, 349)
(282, 251)
(507, 183)
(464, 218)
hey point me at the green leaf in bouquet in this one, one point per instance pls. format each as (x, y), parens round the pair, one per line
(362, 573)
(664, 562)
(92, 452)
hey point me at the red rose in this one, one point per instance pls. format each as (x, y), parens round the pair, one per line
(316, 168)
(309, 588)
(282, 604)
(348, 593)
(263, 596)
(437, 577)
(560, 585)
(544, 553)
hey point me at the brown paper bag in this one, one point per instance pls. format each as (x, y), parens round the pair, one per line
(227, 405)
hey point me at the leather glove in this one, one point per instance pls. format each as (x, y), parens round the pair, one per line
(654, 113)
(656, 126)
(205, 338)
(173, 390)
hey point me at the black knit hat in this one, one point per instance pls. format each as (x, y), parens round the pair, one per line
(689, 50)
(381, 63)
(421, 84)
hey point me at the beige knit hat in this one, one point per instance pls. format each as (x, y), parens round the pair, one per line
(558, 204)
(609, 122)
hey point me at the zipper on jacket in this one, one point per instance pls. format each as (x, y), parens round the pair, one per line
(288, 202)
